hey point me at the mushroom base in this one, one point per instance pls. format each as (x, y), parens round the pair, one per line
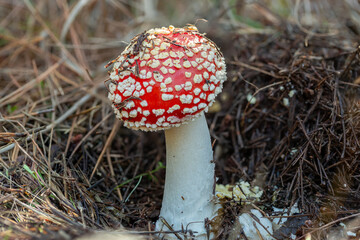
(190, 182)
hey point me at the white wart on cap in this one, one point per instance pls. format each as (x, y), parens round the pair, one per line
(165, 77)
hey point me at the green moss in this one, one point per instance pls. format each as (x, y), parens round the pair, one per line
(11, 108)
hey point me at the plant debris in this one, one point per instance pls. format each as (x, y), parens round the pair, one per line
(303, 126)
(288, 119)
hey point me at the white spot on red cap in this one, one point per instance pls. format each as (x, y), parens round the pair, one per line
(146, 113)
(125, 113)
(157, 41)
(186, 64)
(197, 91)
(111, 96)
(202, 105)
(199, 60)
(164, 70)
(211, 68)
(158, 77)
(211, 97)
(206, 87)
(146, 56)
(189, 53)
(194, 64)
(154, 51)
(190, 110)
(173, 108)
(167, 97)
(158, 112)
(178, 87)
(196, 49)
(180, 54)
(112, 87)
(164, 45)
(144, 103)
(136, 94)
(127, 93)
(168, 63)
(130, 104)
(198, 78)
(160, 120)
(210, 57)
(149, 89)
(218, 90)
(214, 80)
(177, 63)
(155, 63)
(173, 119)
(186, 99)
(173, 54)
(206, 75)
(188, 86)
(168, 80)
(120, 87)
(206, 64)
(163, 55)
(133, 113)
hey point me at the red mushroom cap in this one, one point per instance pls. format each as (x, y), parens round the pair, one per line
(165, 77)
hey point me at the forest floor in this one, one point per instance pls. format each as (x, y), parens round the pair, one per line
(288, 120)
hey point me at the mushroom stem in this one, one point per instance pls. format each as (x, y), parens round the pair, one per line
(189, 182)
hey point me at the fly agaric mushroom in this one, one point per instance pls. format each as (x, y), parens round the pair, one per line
(166, 79)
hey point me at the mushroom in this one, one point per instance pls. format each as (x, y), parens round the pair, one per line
(166, 79)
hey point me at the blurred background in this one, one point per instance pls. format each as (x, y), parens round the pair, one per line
(88, 33)
(94, 31)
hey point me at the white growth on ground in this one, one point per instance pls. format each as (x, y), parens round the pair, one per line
(239, 192)
(256, 226)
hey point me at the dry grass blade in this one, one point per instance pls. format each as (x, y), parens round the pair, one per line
(87, 135)
(81, 101)
(107, 144)
(28, 86)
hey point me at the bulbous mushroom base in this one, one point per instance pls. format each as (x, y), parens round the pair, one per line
(188, 201)
(195, 227)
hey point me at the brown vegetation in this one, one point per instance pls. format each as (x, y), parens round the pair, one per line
(290, 110)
